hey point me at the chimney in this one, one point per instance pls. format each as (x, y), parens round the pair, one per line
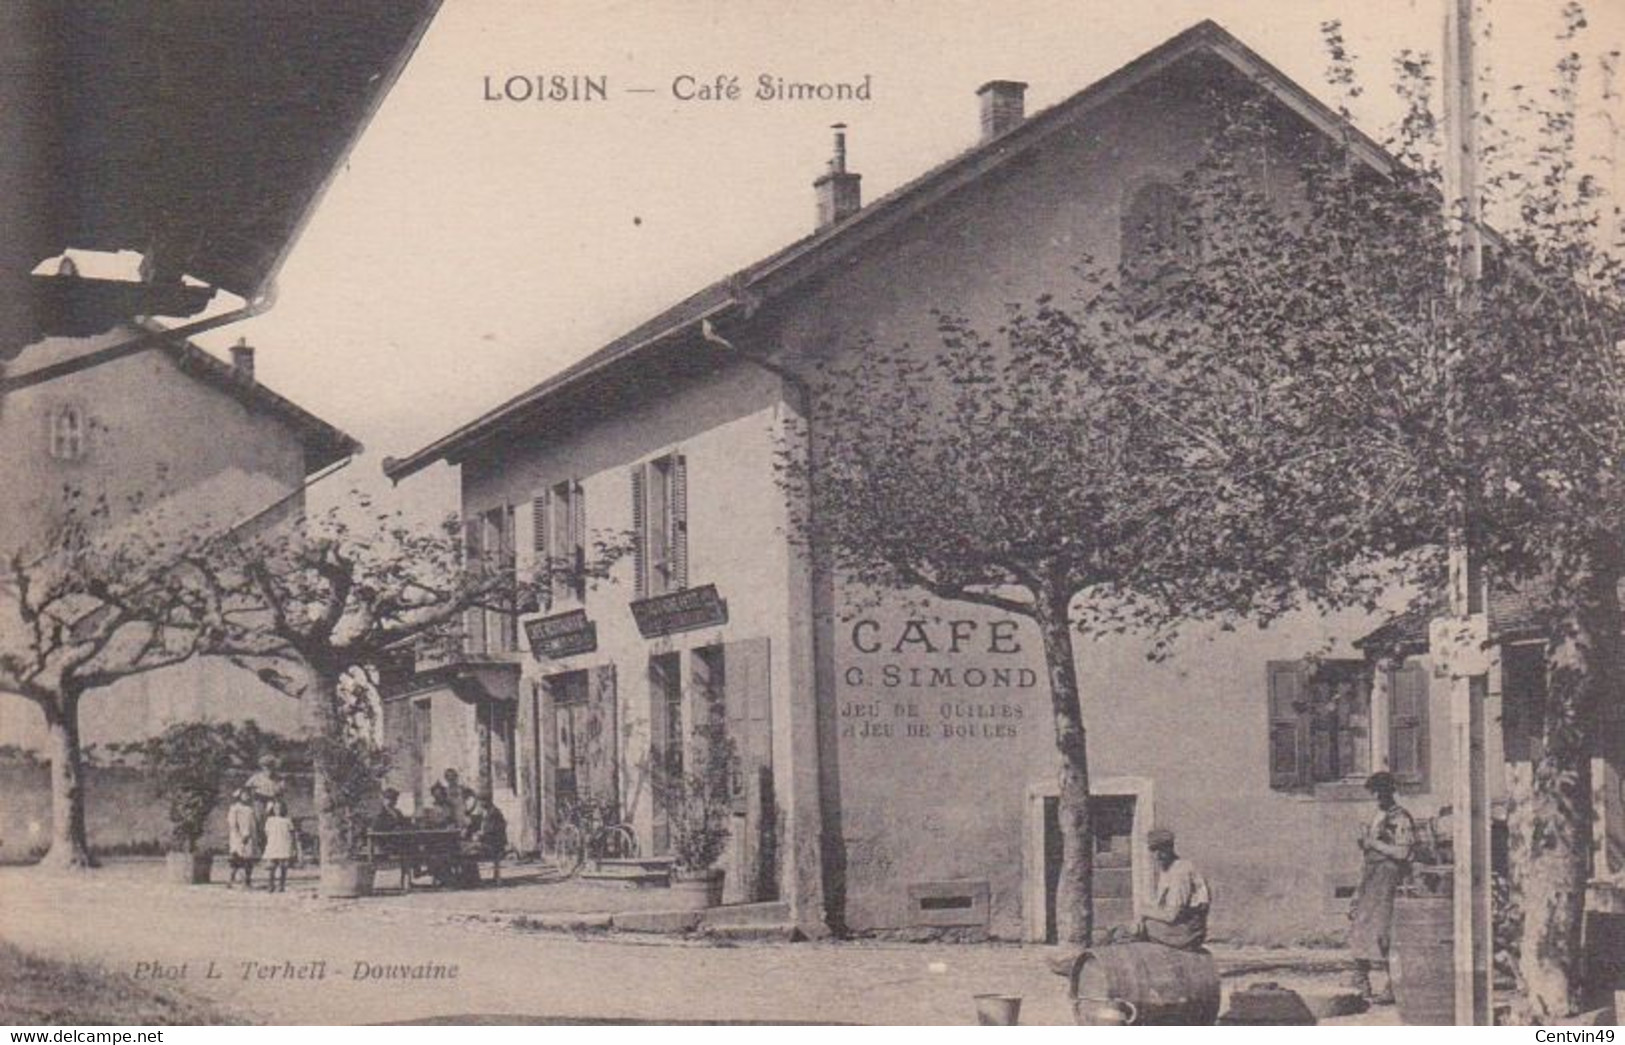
(1003, 106)
(242, 359)
(839, 196)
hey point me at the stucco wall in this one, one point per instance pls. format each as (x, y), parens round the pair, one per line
(155, 434)
(726, 425)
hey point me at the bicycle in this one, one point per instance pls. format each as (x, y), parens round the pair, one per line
(587, 834)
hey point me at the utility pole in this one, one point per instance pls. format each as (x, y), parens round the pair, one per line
(1461, 641)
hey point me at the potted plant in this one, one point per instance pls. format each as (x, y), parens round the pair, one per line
(189, 763)
(699, 804)
(352, 769)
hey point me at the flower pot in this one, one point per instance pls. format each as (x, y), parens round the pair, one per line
(189, 868)
(696, 890)
(346, 879)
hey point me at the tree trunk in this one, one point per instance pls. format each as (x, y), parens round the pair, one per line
(1550, 823)
(70, 845)
(330, 732)
(1075, 893)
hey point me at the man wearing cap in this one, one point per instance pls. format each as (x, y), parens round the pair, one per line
(1386, 844)
(1180, 897)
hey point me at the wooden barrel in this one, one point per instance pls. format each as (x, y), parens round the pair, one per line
(1167, 987)
(1424, 961)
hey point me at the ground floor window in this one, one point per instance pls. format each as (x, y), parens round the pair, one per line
(1324, 727)
(570, 735)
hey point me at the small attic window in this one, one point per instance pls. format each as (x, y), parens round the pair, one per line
(67, 433)
(1158, 243)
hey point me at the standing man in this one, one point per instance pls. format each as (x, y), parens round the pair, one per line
(265, 786)
(1386, 844)
(1180, 898)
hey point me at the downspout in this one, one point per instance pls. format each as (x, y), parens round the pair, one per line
(831, 857)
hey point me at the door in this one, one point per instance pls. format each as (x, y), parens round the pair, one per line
(1113, 844)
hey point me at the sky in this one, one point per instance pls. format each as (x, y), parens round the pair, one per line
(470, 248)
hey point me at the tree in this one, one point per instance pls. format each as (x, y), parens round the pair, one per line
(88, 606)
(1021, 472)
(1373, 400)
(318, 605)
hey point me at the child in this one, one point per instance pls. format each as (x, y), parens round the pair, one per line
(243, 838)
(280, 845)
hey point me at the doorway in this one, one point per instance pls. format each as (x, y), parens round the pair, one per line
(1122, 814)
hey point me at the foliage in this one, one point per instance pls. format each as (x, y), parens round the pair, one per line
(190, 763)
(697, 790)
(100, 597)
(353, 769)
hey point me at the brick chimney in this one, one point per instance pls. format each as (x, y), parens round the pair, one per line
(242, 359)
(1004, 106)
(839, 196)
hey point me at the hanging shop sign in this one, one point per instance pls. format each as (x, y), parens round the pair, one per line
(678, 611)
(561, 635)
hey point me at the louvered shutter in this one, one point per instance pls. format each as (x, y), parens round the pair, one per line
(578, 537)
(1288, 725)
(1408, 725)
(599, 779)
(541, 573)
(679, 522)
(640, 530)
(474, 619)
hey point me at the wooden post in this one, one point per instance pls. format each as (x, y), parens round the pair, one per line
(1468, 685)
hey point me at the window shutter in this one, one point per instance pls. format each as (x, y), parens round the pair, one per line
(474, 619)
(1408, 725)
(541, 567)
(640, 530)
(578, 536)
(1288, 725)
(679, 522)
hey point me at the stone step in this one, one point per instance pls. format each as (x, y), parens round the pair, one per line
(642, 863)
(619, 873)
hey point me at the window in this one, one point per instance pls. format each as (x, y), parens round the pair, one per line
(559, 515)
(67, 433)
(570, 735)
(1158, 242)
(498, 720)
(489, 538)
(1320, 722)
(660, 525)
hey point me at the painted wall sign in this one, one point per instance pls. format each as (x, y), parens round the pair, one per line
(678, 611)
(561, 635)
(934, 679)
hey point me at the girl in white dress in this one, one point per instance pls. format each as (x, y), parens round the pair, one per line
(280, 845)
(242, 838)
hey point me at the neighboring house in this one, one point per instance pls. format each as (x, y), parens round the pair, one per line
(170, 437)
(899, 770)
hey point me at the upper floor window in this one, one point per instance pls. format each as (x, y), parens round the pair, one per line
(559, 535)
(67, 433)
(660, 525)
(1158, 241)
(489, 535)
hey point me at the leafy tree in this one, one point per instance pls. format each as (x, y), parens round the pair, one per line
(189, 762)
(88, 605)
(317, 607)
(1022, 472)
(1375, 401)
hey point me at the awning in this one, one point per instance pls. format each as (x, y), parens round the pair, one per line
(199, 133)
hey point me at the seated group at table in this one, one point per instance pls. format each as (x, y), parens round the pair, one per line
(482, 829)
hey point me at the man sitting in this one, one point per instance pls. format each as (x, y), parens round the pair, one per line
(389, 817)
(1180, 898)
(485, 837)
